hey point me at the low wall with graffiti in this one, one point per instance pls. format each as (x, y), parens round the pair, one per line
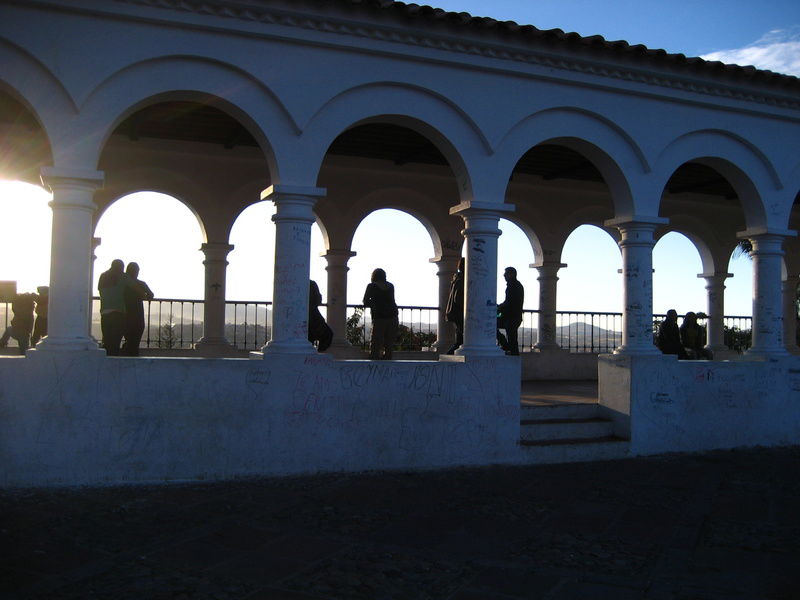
(88, 419)
(666, 405)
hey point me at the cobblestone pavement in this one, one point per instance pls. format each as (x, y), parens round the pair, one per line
(711, 526)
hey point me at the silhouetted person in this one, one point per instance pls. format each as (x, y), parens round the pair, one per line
(22, 305)
(379, 297)
(509, 313)
(669, 338)
(42, 304)
(318, 330)
(135, 292)
(693, 338)
(454, 312)
(111, 285)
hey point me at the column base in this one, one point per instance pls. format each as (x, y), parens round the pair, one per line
(342, 349)
(544, 348)
(637, 351)
(216, 348)
(755, 353)
(55, 344)
(288, 347)
(479, 351)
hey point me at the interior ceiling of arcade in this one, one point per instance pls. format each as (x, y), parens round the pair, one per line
(203, 123)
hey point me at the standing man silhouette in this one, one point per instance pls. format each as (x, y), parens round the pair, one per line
(509, 313)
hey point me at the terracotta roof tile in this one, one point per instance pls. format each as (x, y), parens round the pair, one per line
(596, 42)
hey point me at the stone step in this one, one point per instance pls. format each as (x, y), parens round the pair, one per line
(573, 450)
(559, 411)
(565, 429)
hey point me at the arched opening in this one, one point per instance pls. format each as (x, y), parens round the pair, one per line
(590, 291)
(676, 264)
(514, 250)
(711, 191)
(163, 236)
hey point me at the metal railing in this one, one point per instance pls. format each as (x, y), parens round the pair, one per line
(173, 323)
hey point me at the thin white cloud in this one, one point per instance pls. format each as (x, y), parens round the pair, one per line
(778, 50)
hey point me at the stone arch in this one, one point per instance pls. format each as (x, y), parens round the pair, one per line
(395, 198)
(699, 234)
(533, 238)
(428, 113)
(612, 150)
(231, 89)
(173, 186)
(744, 166)
(589, 215)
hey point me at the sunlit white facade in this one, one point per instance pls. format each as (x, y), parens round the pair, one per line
(314, 86)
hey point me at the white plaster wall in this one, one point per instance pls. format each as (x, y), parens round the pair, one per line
(701, 405)
(88, 419)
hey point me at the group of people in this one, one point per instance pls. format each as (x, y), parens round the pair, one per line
(687, 341)
(122, 296)
(509, 312)
(26, 328)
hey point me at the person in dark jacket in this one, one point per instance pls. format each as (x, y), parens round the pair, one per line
(136, 291)
(509, 313)
(318, 330)
(379, 298)
(22, 305)
(454, 311)
(42, 298)
(693, 338)
(669, 337)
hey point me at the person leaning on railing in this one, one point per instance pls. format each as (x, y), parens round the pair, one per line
(379, 298)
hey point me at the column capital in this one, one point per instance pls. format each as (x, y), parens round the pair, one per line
(636, 221)
(216, 250)
(445, 261)
(279, 192)
(57, 176)
(714, 278)
(547, 267)
(471, 207)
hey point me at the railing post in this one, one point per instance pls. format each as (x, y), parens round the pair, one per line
(214, 342)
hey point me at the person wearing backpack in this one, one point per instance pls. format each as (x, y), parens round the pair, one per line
(379, 298)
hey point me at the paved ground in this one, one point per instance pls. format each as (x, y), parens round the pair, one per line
(719, 525)
(539, 393)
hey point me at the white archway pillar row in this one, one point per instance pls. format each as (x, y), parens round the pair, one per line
(293, 218)
(715, 307)
(637, 244)
(768, 309)
(216, 265)
(548, 294)
(445, 333)
(337, 294)
(790, 313)
(480, 294)
(71, 258)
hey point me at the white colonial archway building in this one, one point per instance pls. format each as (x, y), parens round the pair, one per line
(335, 109)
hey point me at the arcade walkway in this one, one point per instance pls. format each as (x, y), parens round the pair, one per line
(722, 525)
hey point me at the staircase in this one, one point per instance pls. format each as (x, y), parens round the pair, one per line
(568, 433)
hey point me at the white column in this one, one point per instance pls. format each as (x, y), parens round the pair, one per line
(214, 342)
(790, 313)
(337, 295)
(637, 271)
(480, 293)
(70, 262)
(767, 257)
(715, 308)
(445, 331)
(293, 219)
(548, 293)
